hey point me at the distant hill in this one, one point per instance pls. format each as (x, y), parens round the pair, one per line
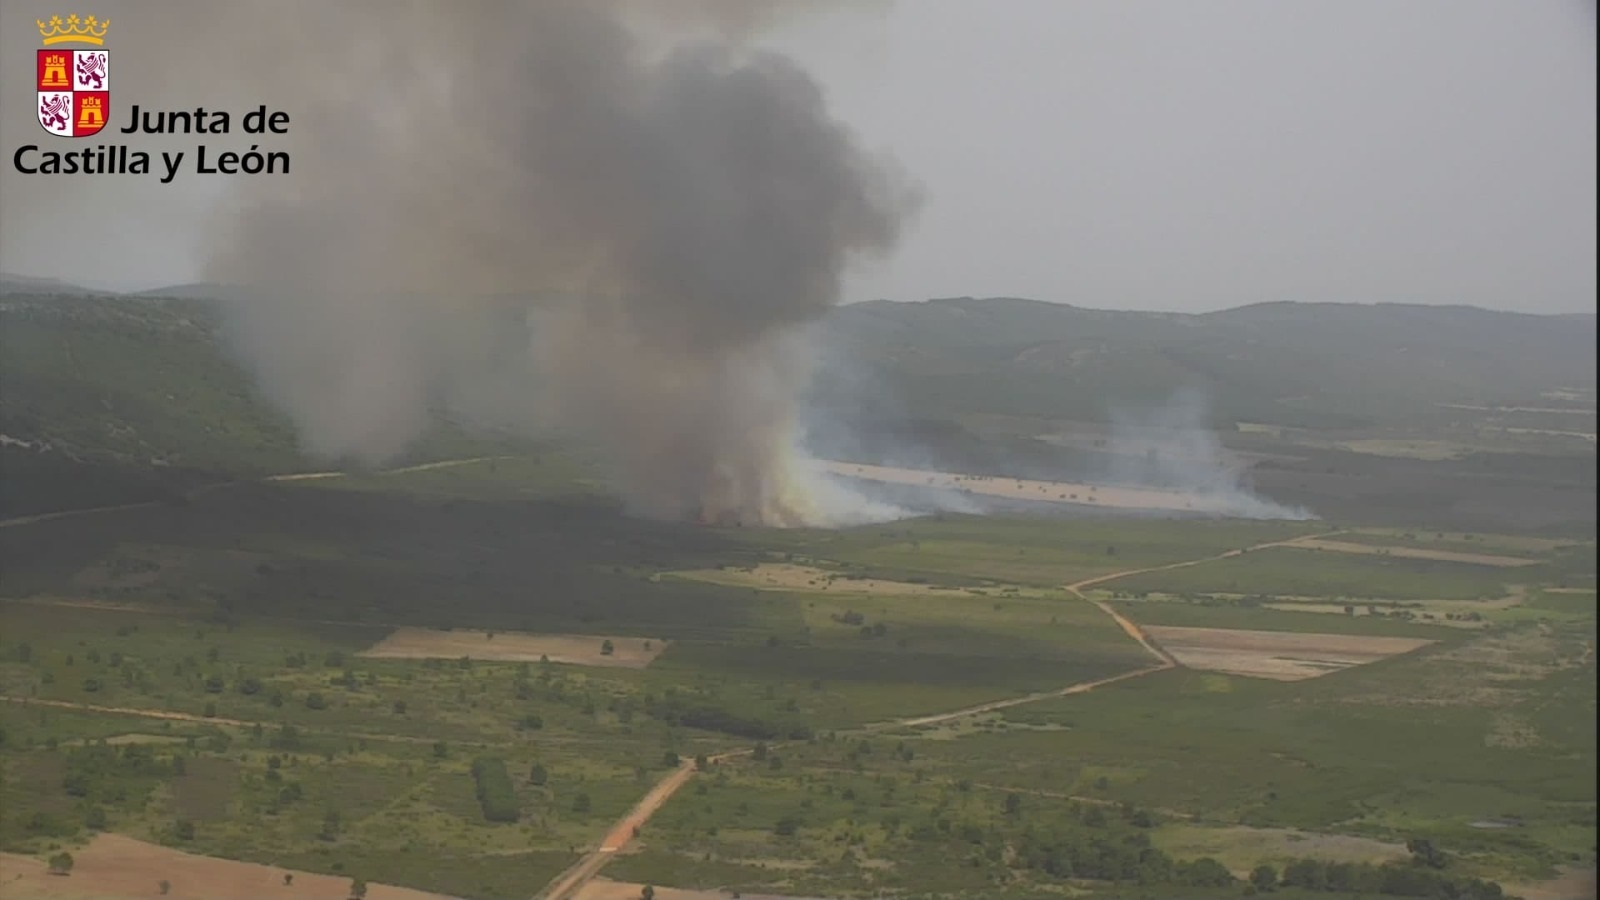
(195, 290)
(1291, 364)
(27, 284)
(107, 399)
(141, 383)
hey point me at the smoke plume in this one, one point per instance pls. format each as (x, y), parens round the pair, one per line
(1172, 447)
(608, 216)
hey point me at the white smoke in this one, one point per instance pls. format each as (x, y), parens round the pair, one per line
(1172, 447)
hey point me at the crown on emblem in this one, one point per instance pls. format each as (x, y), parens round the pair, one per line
(88, 30)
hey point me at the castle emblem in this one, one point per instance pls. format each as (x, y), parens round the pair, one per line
(74, 85)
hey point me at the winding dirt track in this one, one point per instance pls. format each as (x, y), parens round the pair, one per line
(130, 711)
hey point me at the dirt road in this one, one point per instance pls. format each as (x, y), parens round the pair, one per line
(129, 711)
(568, 883)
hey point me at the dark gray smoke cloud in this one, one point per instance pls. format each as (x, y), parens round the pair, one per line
(670, 204)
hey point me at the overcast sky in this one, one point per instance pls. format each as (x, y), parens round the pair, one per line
(1151, 155)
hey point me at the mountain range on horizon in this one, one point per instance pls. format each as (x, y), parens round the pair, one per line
(13, 283)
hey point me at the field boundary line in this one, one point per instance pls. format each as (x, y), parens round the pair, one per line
(69, 513)
(34, 518)
(224, 721)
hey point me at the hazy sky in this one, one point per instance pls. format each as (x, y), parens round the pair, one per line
(1158, 155)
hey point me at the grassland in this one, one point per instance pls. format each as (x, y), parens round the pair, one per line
(197, 673)
(1317, 573)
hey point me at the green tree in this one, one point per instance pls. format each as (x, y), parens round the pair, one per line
(1422, 851)
(607, 648)
(581, 803)
(537, 776)
(183, 830)
(669, 759)
(315, 700)
(358, 888)
(1310, 874)
(1264, 878)
(1206, 872)
(647, 893)
(61, 863)
(701, 762)
(440, 750)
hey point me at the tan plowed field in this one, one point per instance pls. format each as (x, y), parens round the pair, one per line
(1278, 655)
(116, 867)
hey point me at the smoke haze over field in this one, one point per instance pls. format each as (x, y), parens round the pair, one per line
(678, 202)
(1173, 447)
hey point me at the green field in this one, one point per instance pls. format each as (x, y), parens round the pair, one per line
(245, 610)
(1293, 571)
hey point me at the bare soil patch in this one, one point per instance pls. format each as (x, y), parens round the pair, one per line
(1404, 449)
(1278, 655)
(1477, 559)
(512, 646)
(606, 889)
(1573, 884)
(117, 740)
(1440, 611)
(790, 577)
(1242, 848)
(1023, 488)
(114, 867)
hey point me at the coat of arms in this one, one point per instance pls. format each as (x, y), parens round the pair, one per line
(74, 85)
